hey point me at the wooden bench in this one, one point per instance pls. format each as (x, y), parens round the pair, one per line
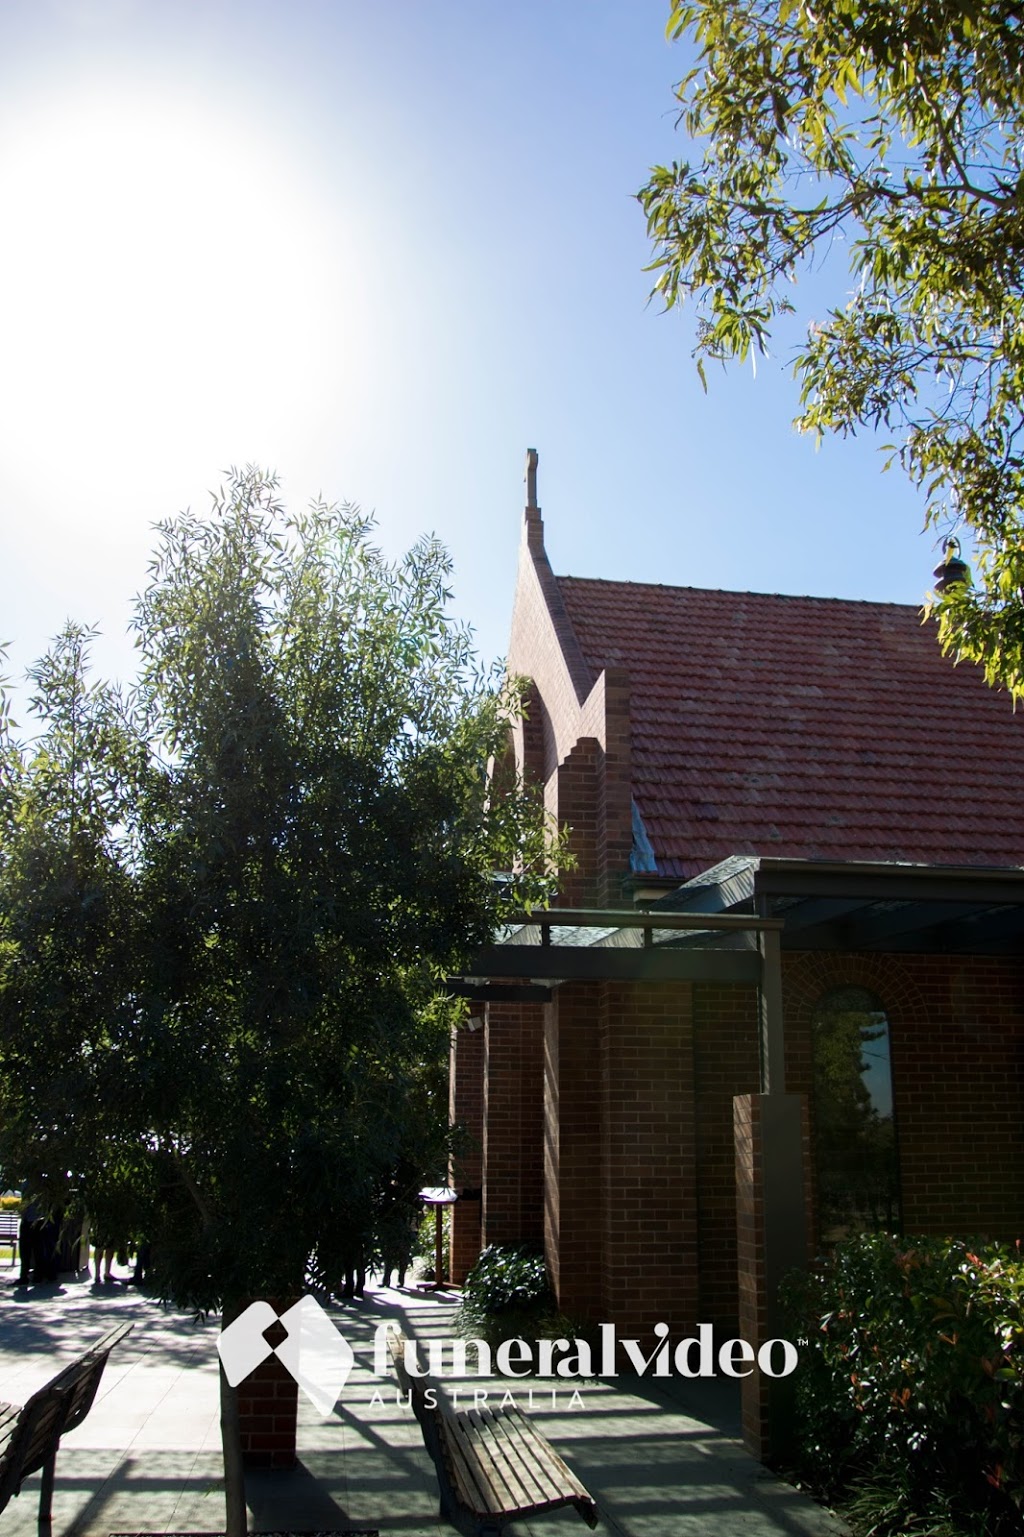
(493, 1465)
(10, 1223)
(30, 1435)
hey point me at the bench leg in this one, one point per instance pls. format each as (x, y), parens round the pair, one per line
(46, 1497)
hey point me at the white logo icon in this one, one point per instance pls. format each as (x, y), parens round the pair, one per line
(318, 1357)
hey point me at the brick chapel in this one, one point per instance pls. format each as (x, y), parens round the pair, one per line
(788, 999)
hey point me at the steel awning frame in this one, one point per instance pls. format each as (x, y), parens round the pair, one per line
(626, 946)
(533, 960)
(732, 922)
(885, 908)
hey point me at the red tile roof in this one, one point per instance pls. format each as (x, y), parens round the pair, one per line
(804, 728)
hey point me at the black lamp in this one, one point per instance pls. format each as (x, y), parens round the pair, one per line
(953, 568)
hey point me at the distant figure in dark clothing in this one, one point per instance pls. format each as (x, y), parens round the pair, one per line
(355, 1276)
(398, 1219)
(27, 1241)
(143, 1264)
(398, 1242)
(37, 1241)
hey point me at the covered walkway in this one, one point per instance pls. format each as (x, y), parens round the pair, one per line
(147, 1458)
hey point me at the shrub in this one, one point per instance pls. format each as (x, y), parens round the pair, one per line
(507, 1294)
(425, 1249)
(910, 1392)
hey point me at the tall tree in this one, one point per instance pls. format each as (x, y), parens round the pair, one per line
(897, 128)
(255, 884)
(68, 926)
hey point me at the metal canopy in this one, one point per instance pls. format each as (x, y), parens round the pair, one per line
(888, 908)
(616, 945)
(716, 927)
(721, 926)
(594, 945)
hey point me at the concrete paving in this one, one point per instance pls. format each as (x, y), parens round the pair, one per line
(147, 1458)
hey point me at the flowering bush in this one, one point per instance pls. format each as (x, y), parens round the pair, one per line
(910, 1391)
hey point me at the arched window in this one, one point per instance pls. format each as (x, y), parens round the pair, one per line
(854, 1130)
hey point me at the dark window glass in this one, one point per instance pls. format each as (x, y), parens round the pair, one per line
(854, 1131)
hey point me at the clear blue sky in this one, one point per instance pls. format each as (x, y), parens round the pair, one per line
(383, 250)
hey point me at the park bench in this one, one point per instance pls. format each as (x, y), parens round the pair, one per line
(493, 1465)
(10, 1222)
(30, 1434)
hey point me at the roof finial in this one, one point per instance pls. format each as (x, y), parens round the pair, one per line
(531, 477)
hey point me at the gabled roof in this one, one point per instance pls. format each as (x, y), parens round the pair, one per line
(803, 728)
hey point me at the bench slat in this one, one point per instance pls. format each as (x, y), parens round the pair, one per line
(86, 1382)
(525, 1443)
(10, 1227)
(498, 1465)
(505, 1490)
(517, 1459)
(521, 1430)
(471, 1484)
(30, 1436)
(554, 1485)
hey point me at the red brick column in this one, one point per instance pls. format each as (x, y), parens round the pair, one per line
(772, 1167)
(576, 806)
(649, 1186)
(572, 1148)
(466, 1108)
(725, 1064)
(268, 1408)
(513, 1124)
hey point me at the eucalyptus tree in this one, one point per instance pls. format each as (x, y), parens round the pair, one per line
(69, 930)
(283, 847)
(897, 130)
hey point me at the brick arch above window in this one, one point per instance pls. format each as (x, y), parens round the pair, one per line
(806, 977)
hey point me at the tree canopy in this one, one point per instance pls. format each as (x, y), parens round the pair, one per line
(230, 896)
(899, 130)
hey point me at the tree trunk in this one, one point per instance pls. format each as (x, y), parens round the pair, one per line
(236, 1518)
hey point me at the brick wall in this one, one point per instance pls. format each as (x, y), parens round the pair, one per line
(615, 804)
(649, 1269)
(573, 1148)
(513, 1126)
(725, 1064)
(543, 647)
(957, 1041)
(268, 1407)
(749, 1252)
(575, 784)
(568, 710)
(772, 1164)
(620, 1160)
(534, 730)
(956, 1026)
(621, 1208)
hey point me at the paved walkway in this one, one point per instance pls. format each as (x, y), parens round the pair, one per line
(147, 1459)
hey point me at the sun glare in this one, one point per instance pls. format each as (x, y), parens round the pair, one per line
(165, 284)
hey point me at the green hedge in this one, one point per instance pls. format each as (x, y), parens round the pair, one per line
(910, 1390)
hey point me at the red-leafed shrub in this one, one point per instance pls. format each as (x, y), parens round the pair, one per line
(910, 1390)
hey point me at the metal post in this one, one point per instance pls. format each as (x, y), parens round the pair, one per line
(438, 1245)
(772, 1036)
